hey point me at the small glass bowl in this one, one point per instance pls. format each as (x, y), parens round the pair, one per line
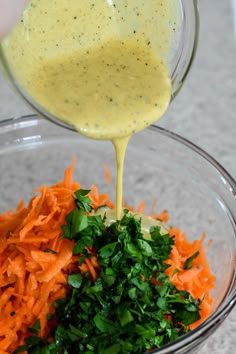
(178, 58)
(198, 193)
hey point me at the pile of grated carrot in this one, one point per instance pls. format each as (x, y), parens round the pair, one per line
(35, 261)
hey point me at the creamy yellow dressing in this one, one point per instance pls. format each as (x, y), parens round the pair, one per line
(147, 221)
(100, 66)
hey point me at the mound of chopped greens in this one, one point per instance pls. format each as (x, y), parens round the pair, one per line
(132, 307)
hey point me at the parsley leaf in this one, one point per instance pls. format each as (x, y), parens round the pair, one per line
(132, 306)
(189, 261)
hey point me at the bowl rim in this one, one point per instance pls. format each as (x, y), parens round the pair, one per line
(32, 119)
(201, 332)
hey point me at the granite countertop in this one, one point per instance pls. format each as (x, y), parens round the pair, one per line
(203, 112)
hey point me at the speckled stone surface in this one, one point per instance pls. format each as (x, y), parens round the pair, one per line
(204, 112)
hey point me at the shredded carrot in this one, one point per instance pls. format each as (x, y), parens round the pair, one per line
(163, 216)
(198, 280)
(31, 280)
(154, 203)
(141, 207)
(99, 200)
(107, 174)
(35, 261)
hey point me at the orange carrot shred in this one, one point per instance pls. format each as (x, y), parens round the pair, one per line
(141, 207)
(32, 278)
(198, 280)
(107, 174)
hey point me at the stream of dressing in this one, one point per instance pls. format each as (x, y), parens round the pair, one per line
(108, 85)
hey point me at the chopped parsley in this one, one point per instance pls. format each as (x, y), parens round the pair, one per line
(189, 261)
(132, 306)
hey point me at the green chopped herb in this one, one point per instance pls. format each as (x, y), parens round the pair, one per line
(35, 328)
(132, 306)
(189, 261)
(48, 250)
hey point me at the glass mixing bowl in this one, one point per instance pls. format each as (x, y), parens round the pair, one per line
(198, 193)
(178, 53)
